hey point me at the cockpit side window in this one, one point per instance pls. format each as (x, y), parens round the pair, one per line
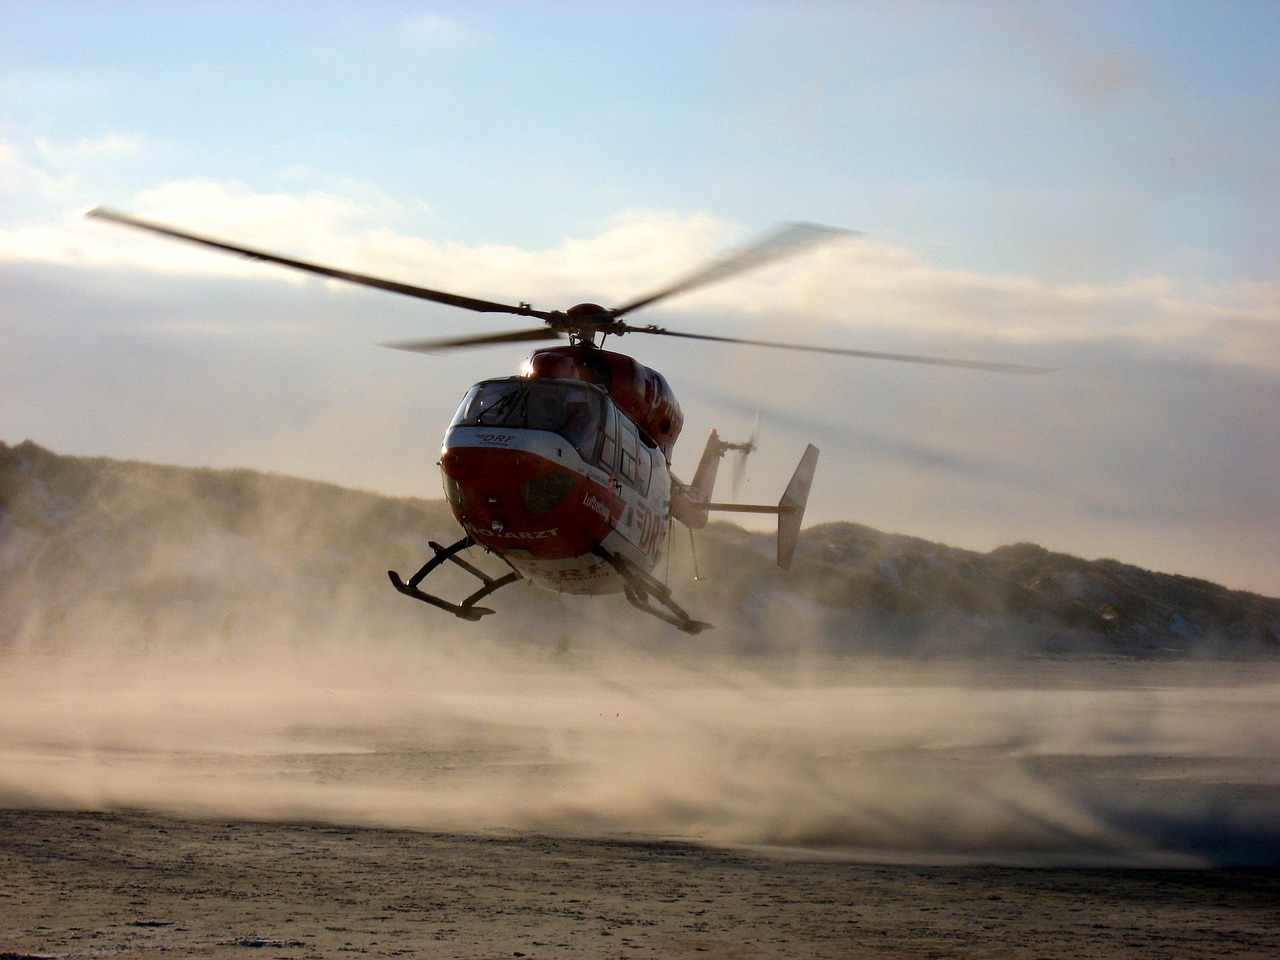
(581, 424)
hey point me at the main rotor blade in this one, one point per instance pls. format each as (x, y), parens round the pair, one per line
(392, 286)
(790, 239)
(840, 351)
(433, 346)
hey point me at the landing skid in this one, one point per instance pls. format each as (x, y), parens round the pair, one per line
(467, 609)
(640, 586)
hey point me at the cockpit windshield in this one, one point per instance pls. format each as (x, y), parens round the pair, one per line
(571, 409)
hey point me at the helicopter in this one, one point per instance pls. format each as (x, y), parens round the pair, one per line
(563, 472)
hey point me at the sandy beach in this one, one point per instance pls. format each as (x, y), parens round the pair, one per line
(143, 886)
(461, 805)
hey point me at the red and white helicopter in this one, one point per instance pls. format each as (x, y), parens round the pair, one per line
(564, 472)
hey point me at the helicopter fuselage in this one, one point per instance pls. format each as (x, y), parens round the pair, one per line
(552, 473)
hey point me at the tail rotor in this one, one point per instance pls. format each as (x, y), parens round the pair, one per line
(744, 450)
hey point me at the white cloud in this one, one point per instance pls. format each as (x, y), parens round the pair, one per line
(237, 212)
(316, 222)
(22, 180)
(54, 171)
(866, 286)
(91, 149)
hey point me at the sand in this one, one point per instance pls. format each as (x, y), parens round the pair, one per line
(79, 884)
(433, 801)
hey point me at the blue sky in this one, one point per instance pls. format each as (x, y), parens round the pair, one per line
(1091, 186)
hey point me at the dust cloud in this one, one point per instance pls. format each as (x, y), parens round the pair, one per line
(1034, 762)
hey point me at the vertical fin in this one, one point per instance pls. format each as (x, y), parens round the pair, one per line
(688, 504)
(791, 506)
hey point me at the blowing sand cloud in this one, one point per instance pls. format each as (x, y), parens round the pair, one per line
(1041, 765)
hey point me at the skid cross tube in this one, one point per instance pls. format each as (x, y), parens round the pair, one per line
(467, 609)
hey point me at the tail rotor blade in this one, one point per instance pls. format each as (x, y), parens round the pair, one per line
(744, 451)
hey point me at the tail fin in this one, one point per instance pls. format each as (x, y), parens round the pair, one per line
(791, 506)
(689, 503)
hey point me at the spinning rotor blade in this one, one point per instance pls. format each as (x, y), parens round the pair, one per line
(842, 352)
(408, 290)
(786, 241)
(791, 238)
(433, 346)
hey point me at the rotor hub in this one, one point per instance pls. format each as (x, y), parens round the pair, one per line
(588, 313)
(584, 322)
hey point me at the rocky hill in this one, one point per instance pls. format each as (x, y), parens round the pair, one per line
(97, 550)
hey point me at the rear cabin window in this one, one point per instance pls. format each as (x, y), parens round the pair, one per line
(633, 465)
(629, 443)
(609, 441)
